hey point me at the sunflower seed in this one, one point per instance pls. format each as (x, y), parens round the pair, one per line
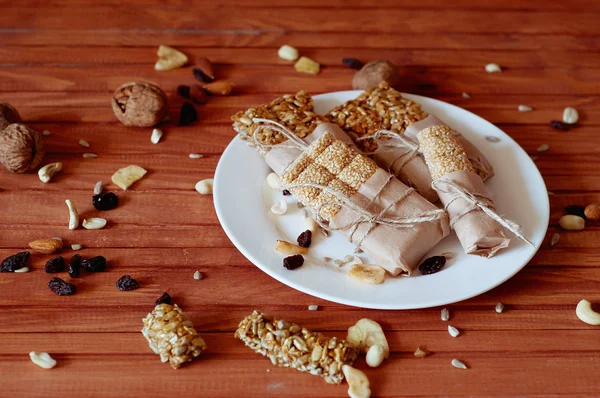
(454, 332)
(89, 155)
(493, 68)
(491, 138)
(22, 269)
(197, 275)
(543, 148)
(524, 108)
(313, 307)
(466, 95)
(445, 314)
(98, 188)
(570, 115)
(196, 156)
(84, 143)
(458, 364)
(46, 133)
(421, 353)
(499, 308)
(156, 136)
(555, 239)
(76, 246)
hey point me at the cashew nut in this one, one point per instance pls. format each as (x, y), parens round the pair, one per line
(73, 215)
(357, 381)
(93, 223)
(47, 172)
(375, 355)
(279, 208)
(585, 312)
(367, 334)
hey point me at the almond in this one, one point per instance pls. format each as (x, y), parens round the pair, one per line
(220, 87)
(45, 246)
(592, 212)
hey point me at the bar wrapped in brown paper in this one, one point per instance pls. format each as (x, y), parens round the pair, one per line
(391, 222)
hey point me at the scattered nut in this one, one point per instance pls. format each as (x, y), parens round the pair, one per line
(48, 171)
(42, 359)
(289, 248)
(90, 155)
(156, 136)
(493, 68)
(139, 104)
(375, 355)
(22, 270)
(499, 308)
(592, 212)
(205, 69)
(279, 208)
(288, 53)
(454, 332)
(21, 148)
(169, 58)
(543, 148)
(73, 215)
(458, 364)
(84, 143)
(466, 95)
(197, 275)
(98, 188)
(571, 223)
(274, 182)
(205, 187)
(371, 274)
(524, 108)
(195, 156)
(126, 176)
(570, 115)
(367, 333)
(421, 353)
(445, 314)
(307, 65)
(374, 73)
(76, 246)
(46, 246)
(313, 307)
(586, 314)
(94, 223)
(554, 240)
(220, 87)
(357, 381)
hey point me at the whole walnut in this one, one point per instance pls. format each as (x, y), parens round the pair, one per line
(374, 73)
(139, 104)
(21, 148)
(8, 115)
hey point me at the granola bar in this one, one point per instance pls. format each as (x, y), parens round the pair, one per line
(289, 345)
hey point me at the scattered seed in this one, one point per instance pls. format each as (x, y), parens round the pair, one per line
(491, 138)
(22, 269)
(288, 53)
(84, 143)
(313, 307)
(279, 208)
(357, 250)
(90, 155)
(156, 136)
(205, 187)
(195, 156)
(576, 210)
(454, 332)
(197, 275)
(98, 188)
(445, 314)
(554, 240)
(493, 68)
(550, 193)
(421, 353)
(499, 308)
(543, 148)
(307, 65)
(466, 95)
(58, 239)
(46, 133)
(339, 263)
(458, 364)
(353, 63)
(348, 258)
(524, 108)
(42, 359)
(558, 125)
(570, 115)
(76, 246)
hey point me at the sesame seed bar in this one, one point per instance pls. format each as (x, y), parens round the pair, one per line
(442, 151)
(289, 345)
(171, 335)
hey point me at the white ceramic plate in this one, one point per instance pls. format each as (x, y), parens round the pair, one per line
(243, 199)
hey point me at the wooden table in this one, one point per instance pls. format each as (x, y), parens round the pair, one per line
(60, 62)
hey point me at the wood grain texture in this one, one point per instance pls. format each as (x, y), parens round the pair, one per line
(59, 63)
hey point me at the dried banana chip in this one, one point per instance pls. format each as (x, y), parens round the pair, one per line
(126, 176)
(371, 274)
(169, 58)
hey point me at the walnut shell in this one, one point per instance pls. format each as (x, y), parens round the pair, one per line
(139, 104)
(374, 73)
(21, 148)
(8, 115)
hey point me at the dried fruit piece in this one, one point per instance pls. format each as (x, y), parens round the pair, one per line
(14, 262)
(570, 115)
(353, 63)
(184, 91)
(126, 176)
(371, 274)
(592, 212)
(279, 208)
(42, 359)
(307, 65)
(293, 262)
(54, 265)
(61, 288)
(305, 238)
(367, 333)
(285, 247)
(169, 58)
(586, 314)
(288, 53)
(48, 171)
(198, 94)
(493, 68)
(220, 87)
(432, 265)
(204, 70)
(73, 215)
(572, 223)
(94, 223)
(576, 210)
(165, 298)
(94, 264)
(285, 192)
(105, 201)
(187, 114)
(46, 246)
(127, 283)
(558, 125)
(421, 353)
(357, 381)
(74, 266)
(205, 187)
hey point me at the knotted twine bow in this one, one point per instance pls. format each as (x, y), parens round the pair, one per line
(476, 202)
(364, 216)
(396, 141)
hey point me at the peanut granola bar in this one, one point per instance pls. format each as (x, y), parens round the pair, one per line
(289, 345)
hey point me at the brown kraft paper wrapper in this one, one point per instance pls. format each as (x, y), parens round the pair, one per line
(478, 233)
(480, 163)
(398, 250)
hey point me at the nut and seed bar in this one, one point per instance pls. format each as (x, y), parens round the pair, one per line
(442, 151)
(289, 345)
(171, 335)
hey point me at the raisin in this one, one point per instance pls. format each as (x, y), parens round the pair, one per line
(576, 211)
(94, 264)
(54, 265)
(74, 266)
(184, 91)
(293, 262)
(285, 192)
(200, 75)
(305, 238)
(61, 288)
(126, 282)
(105, 201)
(164, 299)
(557, 124)
(432, 265)
(188, 114)
(353, 63)
(14, 262)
